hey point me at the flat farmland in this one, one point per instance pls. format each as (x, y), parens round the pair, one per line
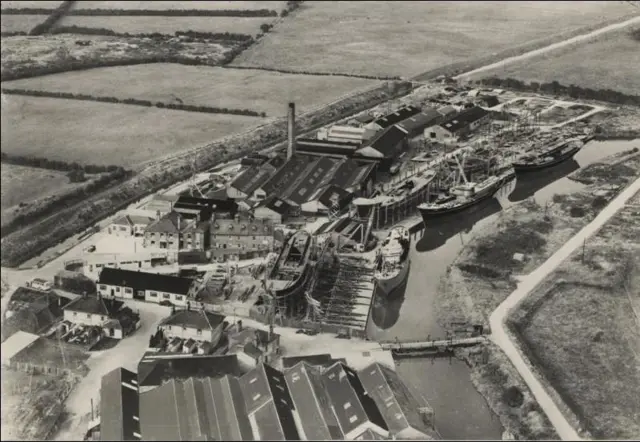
(29, 4)
(169, 25)
(202, 85)
(22, 184)
(164, 5)
(101, 133)
(611, 61)
(20, 23)
(408, 38)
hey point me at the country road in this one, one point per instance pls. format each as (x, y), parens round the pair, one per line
(551, 47)
(526, 285)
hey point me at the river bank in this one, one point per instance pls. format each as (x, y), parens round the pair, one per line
(486, 271)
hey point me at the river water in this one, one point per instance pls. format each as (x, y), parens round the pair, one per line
(460, 411)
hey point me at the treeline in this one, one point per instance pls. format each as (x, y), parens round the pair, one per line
(149, 12)
(35, 239)
(53, 18)
(292, 5)
(135, 102)
(336, 74)
(555, 88)
(192, 35)
(62, 166)
(12, 33)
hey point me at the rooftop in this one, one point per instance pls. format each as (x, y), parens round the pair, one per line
(197, 319)
(130, 220)
(401, 114)
(172, 222)
(386, 142)
(251, 179)
(119, 405)
(463, 119)
(277, 205)
(145, 281)
(421, 120)
(216, 205)
(16, 343)
(155, 369)
(242, 227)
(95, 305)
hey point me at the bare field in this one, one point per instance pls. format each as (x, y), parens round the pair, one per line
(609, 62)
(202, 85)
(165, 5)
(100, 133)
(408, 38)
(582, 327)
(169, 25)
(20, 23)
(8, 4)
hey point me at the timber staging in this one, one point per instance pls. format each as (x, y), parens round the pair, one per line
(422, 348)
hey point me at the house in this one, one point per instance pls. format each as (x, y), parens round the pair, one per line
(156, 369)
(178, 231)
(195, 409)
(32, 311)
(119, 410)
(268, 404)
(311, 400)
(356, 412)
(415, 125)
(151, 287)
(405, 417)
(105, 313)
(458, 126)
(129, 225)
(389, 120)
(274, 209)
(241, 238)
(385, 147)
(330, 199)
(198, 325)
(253, 346)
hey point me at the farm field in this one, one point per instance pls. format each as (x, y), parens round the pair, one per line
(165, 5)
(20, 23)
(202, 85)
(169, 25)
(101, 133)
(408, 38)
(582, 328)
(609, 62)
(29, 4)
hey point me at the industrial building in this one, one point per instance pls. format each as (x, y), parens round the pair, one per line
(457, 126)
(346, 134)
(415, 125)
(386, 147)
(393, 118)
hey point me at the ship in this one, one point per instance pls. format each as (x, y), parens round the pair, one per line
(549, 157)
(392, 261)
(463, 196)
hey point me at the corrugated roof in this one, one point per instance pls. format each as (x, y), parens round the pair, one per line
(401, 114)
(387, 141)
(463, 119)
(359, 176)
(118, 405)
(251, 179)
(145, 281)
(307, 182)
(154, 369)
(420, 121)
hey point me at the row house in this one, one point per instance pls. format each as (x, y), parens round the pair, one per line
(177, 231)
(151, 287)
(106, 313)
(238, 238)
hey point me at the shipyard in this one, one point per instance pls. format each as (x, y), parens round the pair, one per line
(390, 274)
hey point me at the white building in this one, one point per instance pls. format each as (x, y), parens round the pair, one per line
(129, 225)
(97, 312)
(197, 325)
(349, 134)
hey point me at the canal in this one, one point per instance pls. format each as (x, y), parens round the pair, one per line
(460, 411)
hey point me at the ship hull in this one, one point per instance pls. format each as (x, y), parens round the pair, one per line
(522, 168)
(387, 287)
(435, 212)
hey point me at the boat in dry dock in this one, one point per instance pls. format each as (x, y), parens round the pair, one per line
(392, 261)
(549, 157)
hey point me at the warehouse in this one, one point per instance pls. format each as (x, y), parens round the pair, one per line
(396, 117)
(386, 147)
(347, 134)
(415, 125)
(457, 127)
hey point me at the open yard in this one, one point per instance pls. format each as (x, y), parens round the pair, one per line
(408, 38)
(20, 23)
(164, 5)
(101, 133)
(582, 328)
(609, 62)
(202, 85)
(168, 25)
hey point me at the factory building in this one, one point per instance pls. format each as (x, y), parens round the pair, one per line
(346, 134)
(415, 125)
(393, 118)
(386, 147)
(457, 126)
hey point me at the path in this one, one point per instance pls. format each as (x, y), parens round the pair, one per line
(579, 38)
(526, 285)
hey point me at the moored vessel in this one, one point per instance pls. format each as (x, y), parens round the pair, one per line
(549, 157)
(392, 261)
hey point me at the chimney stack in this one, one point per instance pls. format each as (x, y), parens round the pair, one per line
(291, 146)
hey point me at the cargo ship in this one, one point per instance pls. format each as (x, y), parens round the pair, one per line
(549, 157)
(392, 261)
(463, 196)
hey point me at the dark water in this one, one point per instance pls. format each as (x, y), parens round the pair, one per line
(460, 411)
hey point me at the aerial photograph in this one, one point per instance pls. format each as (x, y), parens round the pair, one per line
(320, 220)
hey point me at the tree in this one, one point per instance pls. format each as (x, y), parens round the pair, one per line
(265, 27)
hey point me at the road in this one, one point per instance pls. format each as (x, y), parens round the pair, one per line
(526, 285)
(554, 46)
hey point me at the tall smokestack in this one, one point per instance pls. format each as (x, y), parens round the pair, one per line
(291, 146)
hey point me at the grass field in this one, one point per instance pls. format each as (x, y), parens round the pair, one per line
(169, 25)
(582, 327)
(164, 5)
(609, 62)
(408, 38)
(101, 133)
(30, 4)
(211, 86)
(20, 23)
